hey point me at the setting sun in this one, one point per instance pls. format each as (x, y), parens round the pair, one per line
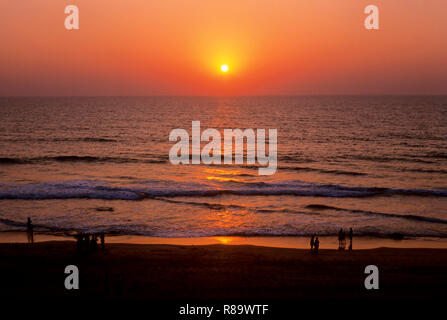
(224, 68)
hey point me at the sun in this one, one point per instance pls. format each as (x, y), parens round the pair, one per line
(224, 68)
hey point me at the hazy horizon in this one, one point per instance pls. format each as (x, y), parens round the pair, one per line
(228, 96)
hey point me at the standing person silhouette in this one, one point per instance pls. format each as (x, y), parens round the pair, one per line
(312, 243)
(317, 245)
(340, 235)
(102, 237)
(343, 240)
(94, 242)
(30, 231)
(351, 233)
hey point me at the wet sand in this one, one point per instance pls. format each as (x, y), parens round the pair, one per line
(213, 272)
(326, 242)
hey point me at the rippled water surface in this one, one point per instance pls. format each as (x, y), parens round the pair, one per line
(377, 164)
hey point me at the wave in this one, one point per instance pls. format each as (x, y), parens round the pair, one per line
(295, 158)
(23, 225)
(92, 189)
(220, 207)
(424, 157)
(71, 158)
(213, 206)
(436, 155)
(10, 161)
(142, 230)
(440, 171)
(80, 139)
(330, 171)
(382, 214)
(409, 158)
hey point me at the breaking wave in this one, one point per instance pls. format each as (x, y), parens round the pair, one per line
(92, 189)
(389, 215)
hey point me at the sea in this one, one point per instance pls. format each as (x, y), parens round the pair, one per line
(377, 164)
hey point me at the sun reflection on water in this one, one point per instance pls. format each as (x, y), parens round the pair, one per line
(224, 179)
(223, 240)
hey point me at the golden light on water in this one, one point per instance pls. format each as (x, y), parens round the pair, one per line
(223, 240)
(223, 172)
(224, 179)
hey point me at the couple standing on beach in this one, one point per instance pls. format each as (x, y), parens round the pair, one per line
(314, 244)
(342, 239)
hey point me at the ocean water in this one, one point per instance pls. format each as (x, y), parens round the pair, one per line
(376, 164)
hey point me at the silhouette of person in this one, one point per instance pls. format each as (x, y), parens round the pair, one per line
(351, 233)
(340, 236)
(312, 242)
(103, 242)
(30, 231)
(344, 240)
(94, 242)
(316, 245)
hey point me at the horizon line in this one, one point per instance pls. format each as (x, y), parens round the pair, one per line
(233, 96)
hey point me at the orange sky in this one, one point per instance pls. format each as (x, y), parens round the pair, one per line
(144, 47)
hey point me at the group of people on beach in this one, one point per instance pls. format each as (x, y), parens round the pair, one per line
(85, 242)
(88, 242)
(315, 242)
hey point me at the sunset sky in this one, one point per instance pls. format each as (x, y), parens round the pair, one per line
(144, 47)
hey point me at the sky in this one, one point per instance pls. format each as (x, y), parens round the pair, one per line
(176, 47)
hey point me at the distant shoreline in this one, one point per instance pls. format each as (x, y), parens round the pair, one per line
(298, 242)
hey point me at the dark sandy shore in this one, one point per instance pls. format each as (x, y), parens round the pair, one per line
(213, 272)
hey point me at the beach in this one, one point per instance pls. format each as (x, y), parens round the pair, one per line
(219, 272)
